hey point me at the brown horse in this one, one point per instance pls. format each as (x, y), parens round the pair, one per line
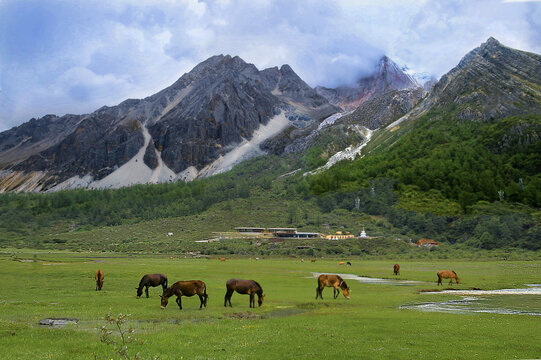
(448, 274)
(185, 288)
(223, 259)
(334, 281)
(341, 263)
(249, 287)
(396, 269)
(99, 276)
(151, 280)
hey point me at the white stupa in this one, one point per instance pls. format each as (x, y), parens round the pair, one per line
(363, 233)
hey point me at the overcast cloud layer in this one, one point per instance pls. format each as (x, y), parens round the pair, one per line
(76, 56)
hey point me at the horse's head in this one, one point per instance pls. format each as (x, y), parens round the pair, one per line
(260, 299)
(345, 289)
(457, 280)
(139, 292)
(165, 301)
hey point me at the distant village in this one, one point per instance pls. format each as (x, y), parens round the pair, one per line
(292, 233)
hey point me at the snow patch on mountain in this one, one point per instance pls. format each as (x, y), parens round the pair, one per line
(332, 119)
(248, 148)
(135, 171)
(349, 153)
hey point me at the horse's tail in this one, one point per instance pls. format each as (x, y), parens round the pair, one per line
(165, 281)
(99, 275)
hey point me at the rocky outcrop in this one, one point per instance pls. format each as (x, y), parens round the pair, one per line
(491, 82)
(385, 109)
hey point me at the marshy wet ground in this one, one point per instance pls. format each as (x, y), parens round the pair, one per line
(372, 280)
(525, 301)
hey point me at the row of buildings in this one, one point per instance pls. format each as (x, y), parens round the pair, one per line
(292, 233)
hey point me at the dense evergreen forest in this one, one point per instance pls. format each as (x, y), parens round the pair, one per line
(463, 160)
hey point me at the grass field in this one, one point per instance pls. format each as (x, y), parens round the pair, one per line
(290, 324)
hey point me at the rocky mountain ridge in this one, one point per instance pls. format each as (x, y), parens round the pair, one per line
(173, 134)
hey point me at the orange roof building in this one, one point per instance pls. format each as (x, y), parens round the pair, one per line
(427, 242)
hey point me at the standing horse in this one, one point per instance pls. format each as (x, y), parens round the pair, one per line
(446, 274)
(396, 269)
(99, 276)
(185, 288)
(334, 281)
(249, 287)
(151, 280)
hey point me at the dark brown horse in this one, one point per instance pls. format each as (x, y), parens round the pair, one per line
(185, 288)
(448, 274)
(249, 287)
(334, 281)
(99, 276)
(151, 280)
(396, 269)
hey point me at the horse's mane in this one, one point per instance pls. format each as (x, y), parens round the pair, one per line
(343, 282)
(168, 292)
(454, 273)
(260, 288)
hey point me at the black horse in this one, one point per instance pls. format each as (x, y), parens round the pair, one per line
(151, 280)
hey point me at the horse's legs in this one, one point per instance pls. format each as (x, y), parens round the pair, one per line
(228, 295)
(336, 292)
(319, 291)
(439, 280)
(206, 297)
(201, 301)
(179, 302)
(252, 300)
(146, 290)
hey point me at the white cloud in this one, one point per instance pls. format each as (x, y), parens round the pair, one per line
(81, 56)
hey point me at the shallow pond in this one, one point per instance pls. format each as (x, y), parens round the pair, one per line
(525, 301)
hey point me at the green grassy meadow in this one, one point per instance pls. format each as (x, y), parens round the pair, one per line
(290, 324)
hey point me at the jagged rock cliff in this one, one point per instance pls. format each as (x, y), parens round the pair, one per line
(491, 82)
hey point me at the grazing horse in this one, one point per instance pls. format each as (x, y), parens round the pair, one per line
(334, 281)
(396, 269)
(341, 263)
(223, 259)
(448, 274)
(249, 287)
(99, 276)
(185, 288)
(313, 260)
(151, 280)
(348, 263)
